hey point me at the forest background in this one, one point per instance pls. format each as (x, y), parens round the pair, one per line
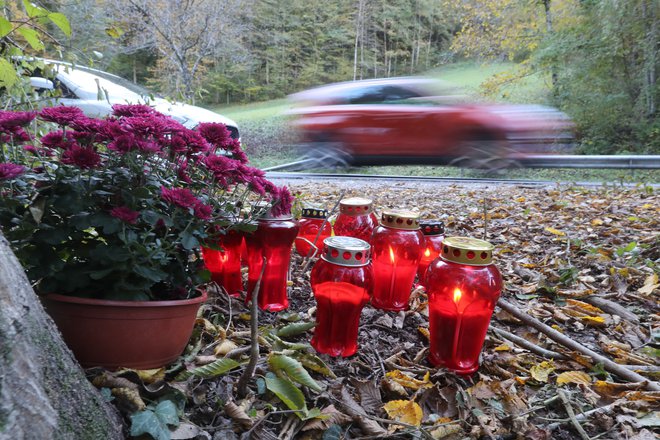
(597, 60)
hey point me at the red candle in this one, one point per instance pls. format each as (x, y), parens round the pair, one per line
(463, 287)
(397, 248)
(356, 218)
(433, 231)
(341, 281)
(313, 221)
(272, 239)
(225, 263)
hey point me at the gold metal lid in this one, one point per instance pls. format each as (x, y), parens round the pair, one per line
(346, 251)
(467, 250)
(355, 206)
(400, 219)
(314, 212)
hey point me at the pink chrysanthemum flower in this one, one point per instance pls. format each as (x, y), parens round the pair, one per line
(10, 171)
(81, 157)
(132, 110)
(125, 214)
(203, 211)
(182, 197)
(10, 120)
(61, 115)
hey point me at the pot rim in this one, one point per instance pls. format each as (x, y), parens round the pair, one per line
(122, 303)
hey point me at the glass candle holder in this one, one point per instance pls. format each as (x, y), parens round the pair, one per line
(273, 239)
(225, 263)
(397, 246)
(356, 218)
(314, 228)
(434, 234)
(341, 281)
(463, 287)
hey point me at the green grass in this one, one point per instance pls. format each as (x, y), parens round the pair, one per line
(256, 111)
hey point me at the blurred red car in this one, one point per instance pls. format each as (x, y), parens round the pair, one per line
(421, 121)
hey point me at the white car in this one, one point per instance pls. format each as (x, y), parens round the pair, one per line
(95, 91)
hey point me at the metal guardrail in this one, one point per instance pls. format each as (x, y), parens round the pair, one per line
(646, 162)
(642, 162)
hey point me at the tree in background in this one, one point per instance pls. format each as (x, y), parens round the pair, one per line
(186, 34)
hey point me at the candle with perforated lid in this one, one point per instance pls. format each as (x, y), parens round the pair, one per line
(397, 245)
(341, 282)
(434, 233)
(312, 221)
(356, 218)
(273, 239)
(463, 287)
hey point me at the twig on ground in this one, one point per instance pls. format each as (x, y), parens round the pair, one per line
(241, 386)
(571, 414)
(485, 218)
(583, 416)
(229, 298)
(543, 405)
(612, 308)
(524, 343)
(564, 340)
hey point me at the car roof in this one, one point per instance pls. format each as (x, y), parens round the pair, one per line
(338, 91)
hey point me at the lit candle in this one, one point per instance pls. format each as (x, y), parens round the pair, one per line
(225, 263)
(463, 287)
(433, 231)
(397, 248)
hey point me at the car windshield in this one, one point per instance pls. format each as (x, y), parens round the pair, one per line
(116, 87)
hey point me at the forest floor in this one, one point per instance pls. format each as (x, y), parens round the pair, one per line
(583, 261)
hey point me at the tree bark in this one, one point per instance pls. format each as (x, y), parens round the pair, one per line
(44, 393)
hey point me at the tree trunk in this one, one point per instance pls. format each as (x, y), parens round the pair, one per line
(44, 393)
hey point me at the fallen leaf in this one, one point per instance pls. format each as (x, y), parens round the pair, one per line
(576, 377)
(502, 347)
(409, 382)
(425, 332)
(542, 371)
(650, 284)
(584, 307)
(224, 347)
(596, 321)
(446, 430)
(555, 231)
(329, 416)
(406, 411)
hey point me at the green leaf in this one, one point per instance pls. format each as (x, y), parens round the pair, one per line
(315, 363)
(217, 368)
(189, 241)
(5, 27)
(114, 32)
(37, 209)
(334, 432)
(287, 392)
(295, 328)
(294, 369)
(32, 37)
(34, 10)
(98, 274)
(147, 422)
(167, 413)
(149, 273)
(8, 75)
(61, 22)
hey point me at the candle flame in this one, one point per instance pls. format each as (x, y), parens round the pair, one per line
(392, 255)
(457, 295)
(427, 252)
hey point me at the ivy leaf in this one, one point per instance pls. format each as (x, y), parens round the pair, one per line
(147, 422)
(294, 369)
(61, 22)
(189, 241)
(32, 37)
(166, 413)
(217, 368)
(287, 392)
(5, 27)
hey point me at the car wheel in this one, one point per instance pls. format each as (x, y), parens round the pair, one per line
(484, 153)
(327, 155)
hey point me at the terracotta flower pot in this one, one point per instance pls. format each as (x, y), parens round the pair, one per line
(132, 334)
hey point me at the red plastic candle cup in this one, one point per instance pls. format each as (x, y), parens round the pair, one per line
(341, 282)
(225, 263)
(434, 234)
(356, 218)
(314, 228)
(397, 246)
(463, 287)
(273, 239)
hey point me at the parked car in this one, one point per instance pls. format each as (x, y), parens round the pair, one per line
(95, 91)
(421, 121)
